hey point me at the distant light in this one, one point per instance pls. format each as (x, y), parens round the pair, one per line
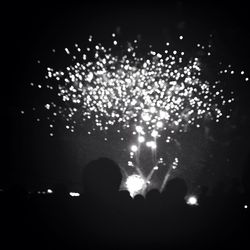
(134, 148)
(49, 191)
(246, 79)
(181, 37)
(152, 109)
(159, 124)
(141, 139)
(67, 51)
(192, 200)
(146, 117)
(115, 42)
(138, 129)
(154, 133)
(74, 194)
(151, 144)
(245, 206)
(130, 163)
(156, 168)
(135, 184)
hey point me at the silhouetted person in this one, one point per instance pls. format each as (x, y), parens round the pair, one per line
(101, 183)
(102, 178)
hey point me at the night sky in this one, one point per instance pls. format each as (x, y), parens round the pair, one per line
(33, 158)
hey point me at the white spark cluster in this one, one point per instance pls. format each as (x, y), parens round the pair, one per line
(146, 94)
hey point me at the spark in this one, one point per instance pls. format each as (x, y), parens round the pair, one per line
(135, 184)
(74, 194)
(134, 148)
(192, 200)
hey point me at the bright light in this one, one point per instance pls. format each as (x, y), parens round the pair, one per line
(152, 109)
(151, 144)
(135, 184)
(141, 139)
(139, 129)
(156, 168)
(130, 163)
(146, 117)
(159, 124)
(74, 194)
(192, 200)
(154, 133)
(49, 191)
(245, 206)
(134, 148)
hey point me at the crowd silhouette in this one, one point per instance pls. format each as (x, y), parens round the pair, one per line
(102, 216)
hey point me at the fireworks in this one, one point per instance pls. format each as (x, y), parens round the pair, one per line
(151, 95)
(135, 184)
(192, 200)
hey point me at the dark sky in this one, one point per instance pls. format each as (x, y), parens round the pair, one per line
(31, 31)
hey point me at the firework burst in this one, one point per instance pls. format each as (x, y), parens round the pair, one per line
(152, 96)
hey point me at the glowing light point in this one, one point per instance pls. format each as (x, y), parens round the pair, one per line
(192, 201)
(74, 194)
(134, 148)
(66, 50)
(146, 117)
(135, 184)
(130, 163)
(139, 129)
(156, 168)
(159, 124)
(245, 206)
(152, 109)
(49, 191)
(151, 144)
(154, 133)
(141, 139)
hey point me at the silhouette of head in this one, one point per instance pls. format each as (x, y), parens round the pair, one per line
(102, 176)
(153, 195)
